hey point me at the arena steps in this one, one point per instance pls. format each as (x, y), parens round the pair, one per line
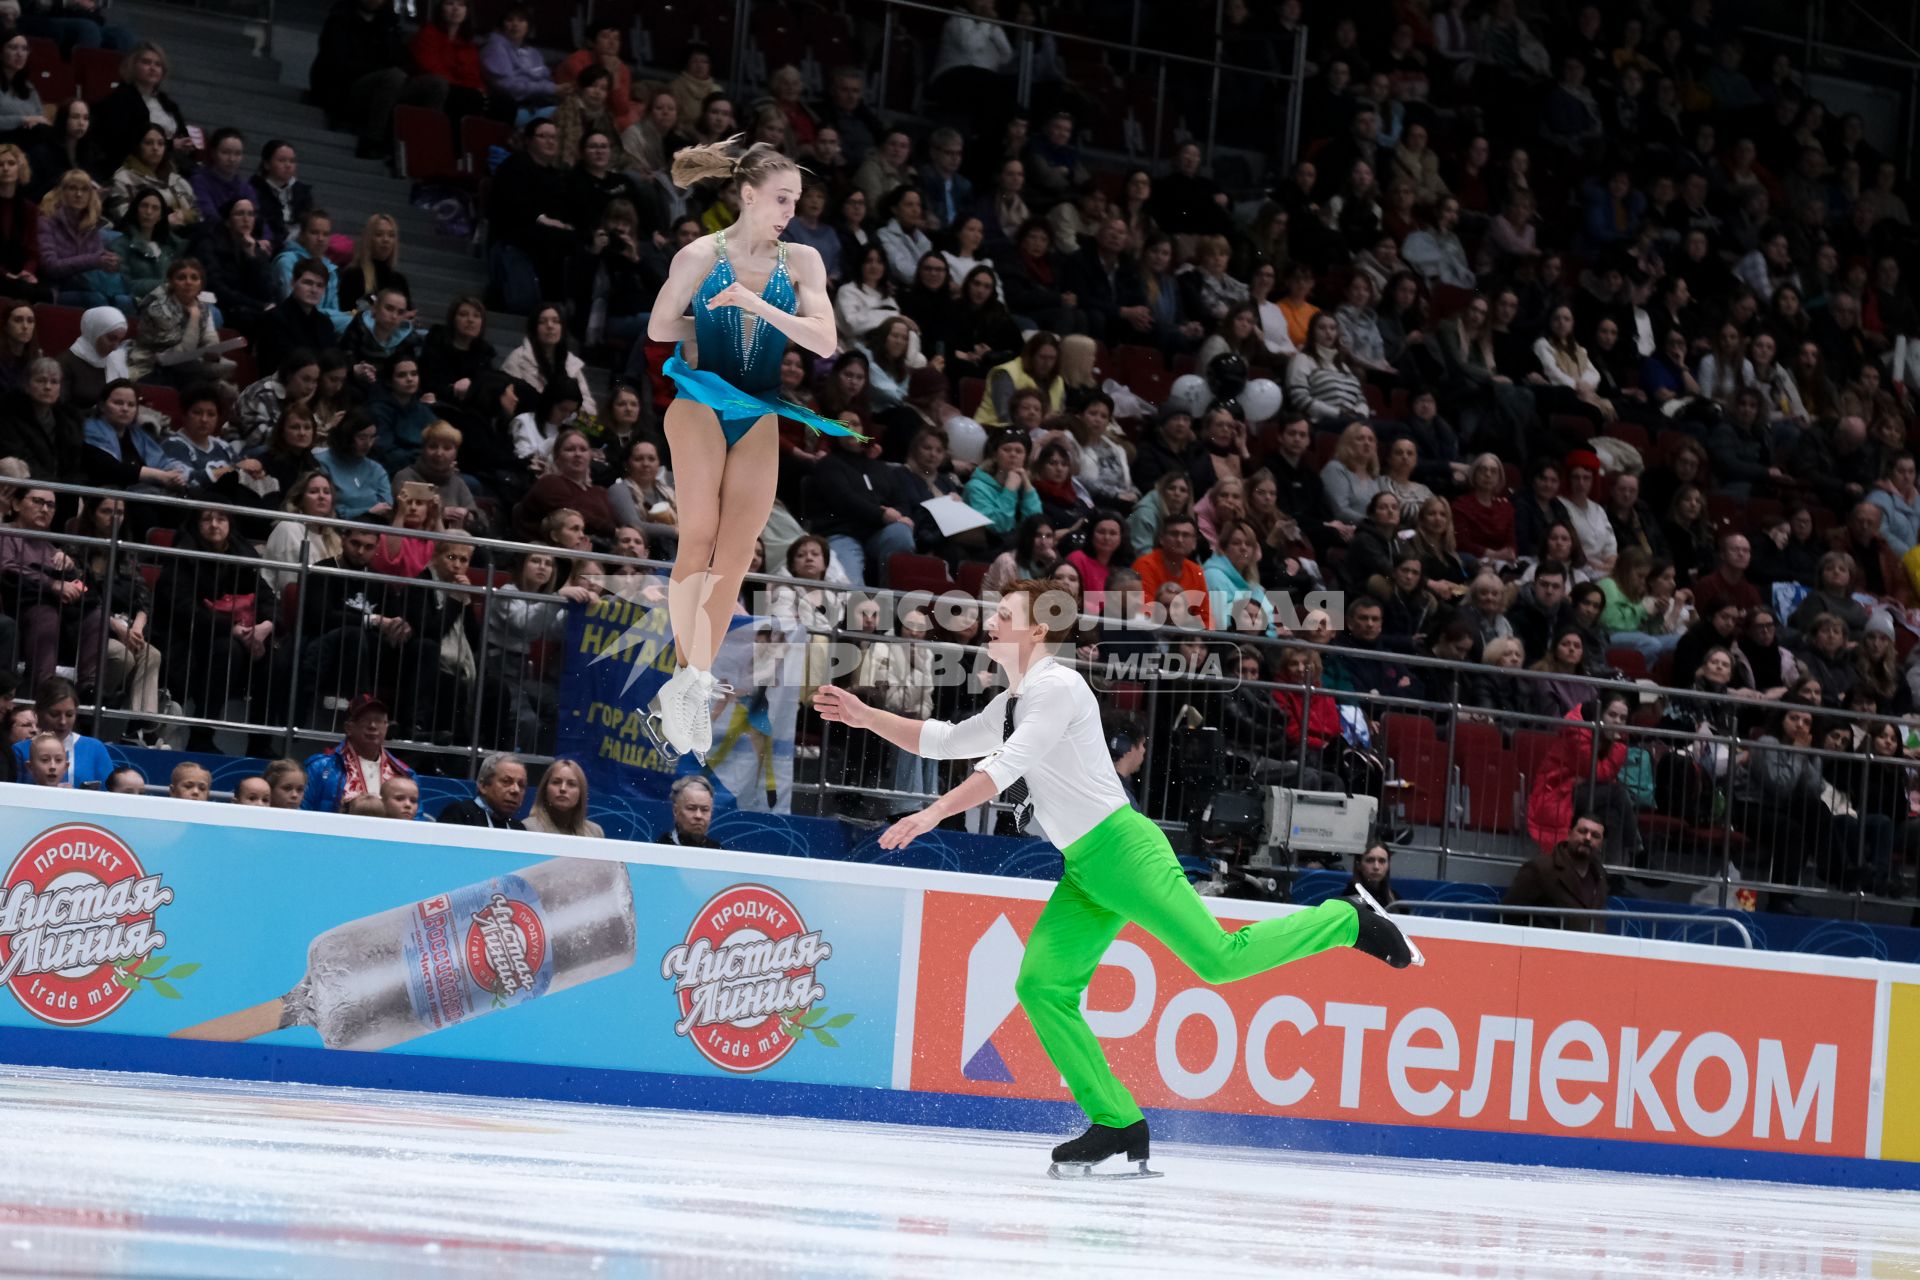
(218, 80)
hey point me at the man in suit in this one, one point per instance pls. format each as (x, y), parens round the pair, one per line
(502, 786)
(692, 813)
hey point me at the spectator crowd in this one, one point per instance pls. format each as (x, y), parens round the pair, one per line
(1573, 339)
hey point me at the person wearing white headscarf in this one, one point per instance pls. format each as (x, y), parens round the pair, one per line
(97, 356)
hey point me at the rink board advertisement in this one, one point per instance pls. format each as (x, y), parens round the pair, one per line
(166, 936)
(170, 929)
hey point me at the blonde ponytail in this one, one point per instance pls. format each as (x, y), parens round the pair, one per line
(728, 159)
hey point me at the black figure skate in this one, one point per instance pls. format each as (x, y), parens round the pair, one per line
(1077, 1158)
(1380, 937)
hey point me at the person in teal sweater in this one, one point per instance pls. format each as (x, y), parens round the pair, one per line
(1000, 488)
(401, 413)
(361, 486)
(1233, 573)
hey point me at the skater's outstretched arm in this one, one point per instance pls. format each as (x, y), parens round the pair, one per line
(933, 739)
(974, 792)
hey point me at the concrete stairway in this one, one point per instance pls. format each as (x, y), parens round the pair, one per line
(218, 81)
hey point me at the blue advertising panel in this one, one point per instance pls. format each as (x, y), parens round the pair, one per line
(344, 938)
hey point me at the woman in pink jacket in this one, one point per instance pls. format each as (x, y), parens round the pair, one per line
(1577, 777)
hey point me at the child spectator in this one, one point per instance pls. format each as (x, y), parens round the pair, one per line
(190, 782)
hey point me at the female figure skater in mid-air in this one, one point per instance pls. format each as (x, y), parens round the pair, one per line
(750, 293)
(1040, 741)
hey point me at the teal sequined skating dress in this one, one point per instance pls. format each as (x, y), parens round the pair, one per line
(739, 377)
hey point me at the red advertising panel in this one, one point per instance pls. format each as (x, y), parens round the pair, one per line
(1487, 1036)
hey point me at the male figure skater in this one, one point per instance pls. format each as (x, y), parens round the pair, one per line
(1041, 741)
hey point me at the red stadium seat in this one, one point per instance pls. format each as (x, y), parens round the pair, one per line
(1725, 511)
(41, 51)
(972, 392)
(1405, 731)
(53, 81)
(56, 327)
(973, 577)
(909, 572)
(425, 140)
(1572, 426)
(478, 136)
(164, 401)
(1630, 433)
(1630, 663)
(1530, 748)
(1491, 781)
(1424, 798)
(159, 537)
(98, 71)
(1471, 738)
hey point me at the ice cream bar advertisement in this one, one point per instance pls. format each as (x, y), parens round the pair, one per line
(324, 933)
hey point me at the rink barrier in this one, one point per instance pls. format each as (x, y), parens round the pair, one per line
(334, 951)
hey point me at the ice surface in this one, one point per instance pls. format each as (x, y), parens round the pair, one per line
(112, 1175)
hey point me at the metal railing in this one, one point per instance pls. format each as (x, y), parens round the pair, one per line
(1459, 775)
(1031, 43)
(1679, 919)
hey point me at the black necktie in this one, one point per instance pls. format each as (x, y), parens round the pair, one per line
(1016, 792)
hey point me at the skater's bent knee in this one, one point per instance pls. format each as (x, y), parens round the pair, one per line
(1034, 985)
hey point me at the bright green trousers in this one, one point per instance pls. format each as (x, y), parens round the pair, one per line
(1125, 871)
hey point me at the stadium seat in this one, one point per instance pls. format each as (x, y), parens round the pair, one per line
(478, 136)
(1530, 748)
(164, 401)
(98, 71)
(1132, 361)
(1424, 799)
(1630, 433)
(1571, 426)
(972, 392)
(1723, 510)
(425, 141)
(1471, 738)
(1405, 731)
(1153, 386)
(1491, 782)
(159, 536)
(909, 572)
(246, 368)
(1630, 663)
(56, 327)
(52, 79)
(973, 577)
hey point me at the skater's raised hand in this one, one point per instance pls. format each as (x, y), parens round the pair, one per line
(908, 829)
(842, 707)
(738, 295)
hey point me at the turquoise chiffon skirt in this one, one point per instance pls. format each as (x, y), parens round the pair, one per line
(738, 410)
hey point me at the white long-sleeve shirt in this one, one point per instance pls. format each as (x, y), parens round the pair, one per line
(1594, 529)
(1588, 378)
(1058, 746)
